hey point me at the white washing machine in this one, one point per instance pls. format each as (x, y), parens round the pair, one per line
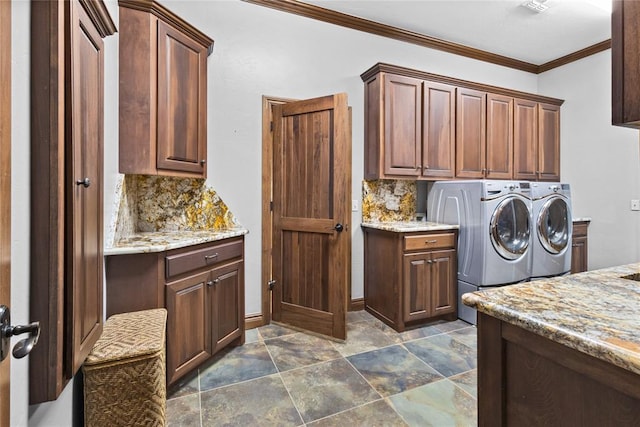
(552, 229)
(494, 242)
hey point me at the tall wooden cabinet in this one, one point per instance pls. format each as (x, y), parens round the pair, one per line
(463, 129)
(163, 92)
(625, 63)
(202, 288)
(410, 278)
(67, 108)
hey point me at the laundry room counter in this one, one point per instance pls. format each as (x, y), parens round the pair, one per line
(573, 334)
(409, 226)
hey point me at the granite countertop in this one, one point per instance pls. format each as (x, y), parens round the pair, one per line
(581, 219)
(160, 241)
(595, 312)
(409, 226)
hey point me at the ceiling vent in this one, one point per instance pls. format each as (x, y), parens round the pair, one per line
(536, 5)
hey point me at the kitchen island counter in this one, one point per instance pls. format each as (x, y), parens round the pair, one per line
(563, 351)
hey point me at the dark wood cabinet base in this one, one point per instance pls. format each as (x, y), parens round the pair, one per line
(526, 379)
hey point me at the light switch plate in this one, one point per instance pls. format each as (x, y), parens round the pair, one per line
(354, 205)
(635, 205)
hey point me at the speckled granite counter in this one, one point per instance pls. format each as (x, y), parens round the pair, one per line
(159, 241)
(581, 219)
(409, 226)
(595, 312)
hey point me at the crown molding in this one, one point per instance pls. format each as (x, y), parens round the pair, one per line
(99, 15)
(344, 20)
(423, 75)
(161, 12)
(579, 54)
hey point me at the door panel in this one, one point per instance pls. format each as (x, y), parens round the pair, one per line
(227, 298)
(439, 129)
(188, 323)
(471, 110)
(525, 143)
(181, 101)
(549, 142)
(311, 192)
(402, 125)
(85, 200)
(416, 289)
(499, 137)
(5, 192)
(443, 273)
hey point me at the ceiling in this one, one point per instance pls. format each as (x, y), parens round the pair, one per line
(501, 27)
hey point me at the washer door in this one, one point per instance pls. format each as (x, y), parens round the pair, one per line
(554, 225)
(510, 228)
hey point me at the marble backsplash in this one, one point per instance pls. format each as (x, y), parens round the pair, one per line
(157, 203)
(388, 200)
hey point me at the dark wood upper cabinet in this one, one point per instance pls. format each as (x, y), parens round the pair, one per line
(548, 142)
(451, 128)
(499, 137)
(67, 132)
(163, 92)
(525, 124)
(625, 63)
(402, 125)
(439, 130)
(471, 111)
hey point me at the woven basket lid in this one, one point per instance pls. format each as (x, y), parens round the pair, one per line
(130, 335)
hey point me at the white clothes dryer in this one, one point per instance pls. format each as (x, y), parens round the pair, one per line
(494, 240)
(552, 229)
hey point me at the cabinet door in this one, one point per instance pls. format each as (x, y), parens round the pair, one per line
(417, 275)
(227, 303)
(499, 137)
(402, 125)
(579, 254)
(182, 92)
(84, 275)
(438, 130)
(549, 142)
(470, 133)
(525, 126)
(443, 282)
(188, 325)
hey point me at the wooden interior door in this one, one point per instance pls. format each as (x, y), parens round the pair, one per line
(5, 191)
(311, 195)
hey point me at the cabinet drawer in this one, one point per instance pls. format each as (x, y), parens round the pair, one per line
(194, 260)
(429, 241)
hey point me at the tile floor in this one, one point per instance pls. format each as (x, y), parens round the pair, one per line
(377, 377)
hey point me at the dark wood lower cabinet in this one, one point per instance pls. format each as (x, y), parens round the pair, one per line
(202, 288)
(527, 380)
(579, 247)
(410, 278)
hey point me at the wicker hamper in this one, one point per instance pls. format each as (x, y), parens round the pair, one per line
(124, 375)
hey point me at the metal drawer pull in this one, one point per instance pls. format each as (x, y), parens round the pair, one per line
(431, 241)
(210, 257)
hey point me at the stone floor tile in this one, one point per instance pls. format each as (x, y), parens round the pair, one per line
(298, 350)
(444, 353)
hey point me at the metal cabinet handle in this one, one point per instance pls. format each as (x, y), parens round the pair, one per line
(203, 162)
(427, 242)
(23, 347)
(84, 182)
(210, 257)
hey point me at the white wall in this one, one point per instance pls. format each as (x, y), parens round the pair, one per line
(600, 161)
